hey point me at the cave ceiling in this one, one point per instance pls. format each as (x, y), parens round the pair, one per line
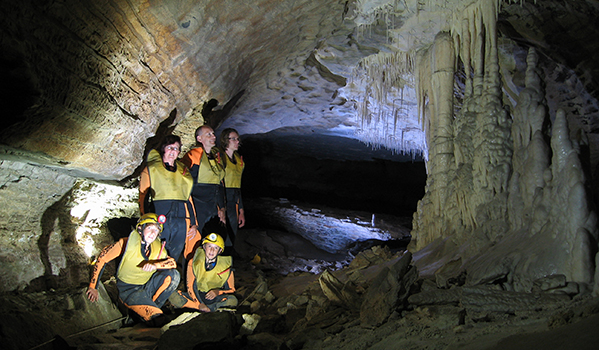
(89, 86)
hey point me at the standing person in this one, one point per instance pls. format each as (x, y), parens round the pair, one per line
(234, 165)
(210, 279)
(205, 163)
(166, 184)
(146, 275)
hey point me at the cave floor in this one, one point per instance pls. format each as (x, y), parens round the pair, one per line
(560, 330)
(283, 266)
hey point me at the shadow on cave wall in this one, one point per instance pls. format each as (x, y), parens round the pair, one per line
(57, 219)
(165, 128)
(214, 118)
(121, 227)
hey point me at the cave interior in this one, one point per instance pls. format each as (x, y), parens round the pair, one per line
(471, 122)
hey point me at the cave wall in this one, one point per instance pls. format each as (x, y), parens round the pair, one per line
(91, 81)
(28, 193)
(89, 84)
(54, 223)
(99, 81)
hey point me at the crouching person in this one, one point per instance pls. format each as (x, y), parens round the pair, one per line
(146, 276)
(210, 280)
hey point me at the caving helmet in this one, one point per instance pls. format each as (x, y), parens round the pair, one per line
(150, 218)
(215, 238)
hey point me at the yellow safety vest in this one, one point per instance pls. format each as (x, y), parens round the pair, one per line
(210, 171)
(128, 271)
(233, 171)
(215, 278)
(168, 185)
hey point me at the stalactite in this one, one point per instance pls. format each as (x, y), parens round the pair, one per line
(384, 75)
(474, 32)
(367, 14)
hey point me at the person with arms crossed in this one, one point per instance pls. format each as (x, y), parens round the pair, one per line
(146, 275)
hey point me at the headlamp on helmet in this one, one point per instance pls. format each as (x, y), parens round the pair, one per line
(215, 238)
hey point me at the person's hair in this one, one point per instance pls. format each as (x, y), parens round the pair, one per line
(169, 140)
(224, 138)
(199, 129)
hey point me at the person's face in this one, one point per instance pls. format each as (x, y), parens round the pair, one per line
(171, 152)
(211, 250)
(150, 233)
(207, 138)
(233, 144)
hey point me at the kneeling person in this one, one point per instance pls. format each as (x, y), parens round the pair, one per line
(210, 280)
(146, 276)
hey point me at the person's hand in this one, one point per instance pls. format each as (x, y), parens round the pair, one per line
(222, 215)
(148, 267)
(241, 218)
(92, 294)
(192, 232)
(212, 294)
(203, 308)
(168, 263)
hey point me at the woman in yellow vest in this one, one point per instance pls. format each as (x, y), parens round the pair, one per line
(165, 188)
(210, 279)
(146, 276)
(205, 164)
(234, 165)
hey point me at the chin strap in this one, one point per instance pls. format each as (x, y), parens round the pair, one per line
(210, 264)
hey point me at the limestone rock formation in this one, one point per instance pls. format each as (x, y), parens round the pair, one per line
(498, 97)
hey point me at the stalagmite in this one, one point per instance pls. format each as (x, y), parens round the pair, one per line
(510, 206)
(479, 147)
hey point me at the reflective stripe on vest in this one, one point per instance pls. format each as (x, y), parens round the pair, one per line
(215, 278)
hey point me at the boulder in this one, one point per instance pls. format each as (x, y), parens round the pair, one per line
(389, 289)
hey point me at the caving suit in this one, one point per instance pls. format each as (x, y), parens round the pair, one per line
(143, 292)
(233, 171)
(208, 190)
(170, 192)
(202, 278)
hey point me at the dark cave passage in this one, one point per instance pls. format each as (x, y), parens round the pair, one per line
(333, 171)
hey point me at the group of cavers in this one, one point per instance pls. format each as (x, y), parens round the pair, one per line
(178, 198)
